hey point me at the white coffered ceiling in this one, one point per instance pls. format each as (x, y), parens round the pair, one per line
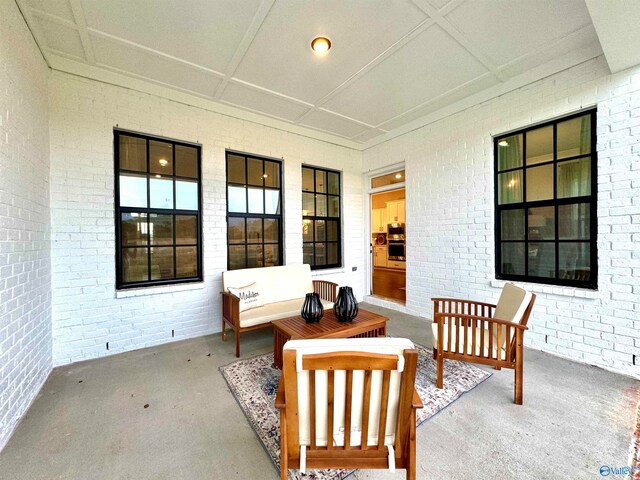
(392, 62)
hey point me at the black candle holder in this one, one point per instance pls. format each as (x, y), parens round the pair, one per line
(346, 306)
(312, 310)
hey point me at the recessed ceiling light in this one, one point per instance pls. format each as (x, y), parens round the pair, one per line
(266, 175)
(321, 45)
(163, 162)
(503, 143)
(398, 175)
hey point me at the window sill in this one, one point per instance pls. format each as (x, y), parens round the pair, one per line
(142, 291)
(328, 271)
(550, 289)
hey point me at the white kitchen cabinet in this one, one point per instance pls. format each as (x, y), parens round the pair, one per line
(378, 220)
(395, 211)
(396, 264)
(380, 256)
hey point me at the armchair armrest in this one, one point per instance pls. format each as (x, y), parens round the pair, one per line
(326, 290)
(231, 307)
(280, 401)
(416, 402)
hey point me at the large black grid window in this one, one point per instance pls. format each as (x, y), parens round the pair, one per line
(321, 218)
(545, 196)
(158, 221)
(254, 211)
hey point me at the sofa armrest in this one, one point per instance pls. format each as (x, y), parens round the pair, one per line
(231, 308)
(326, 290)
(280, 401)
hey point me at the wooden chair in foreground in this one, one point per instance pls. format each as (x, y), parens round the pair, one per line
(328, 386)
(483, 333)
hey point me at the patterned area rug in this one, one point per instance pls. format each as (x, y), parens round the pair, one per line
(254, 383)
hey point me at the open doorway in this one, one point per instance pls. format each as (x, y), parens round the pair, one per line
(388, 241)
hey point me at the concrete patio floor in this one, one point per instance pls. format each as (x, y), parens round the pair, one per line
(90, 420)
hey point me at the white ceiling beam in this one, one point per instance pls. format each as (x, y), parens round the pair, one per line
(53, 18)
(617, 24)
(79, 17)
(36, 30)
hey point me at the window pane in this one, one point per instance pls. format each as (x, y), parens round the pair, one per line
(321, 181)
(321, 234)
(542, 260)
(540, 145)
(307, 230)
(186, 229)
(510, 152)
(254, 172)
(307, 179)
(272, 199)
(321, 254)
(272, 172)
(236, 230)
(161, 193)
(271, 258)
(161, 263)
(133, 153)
(332, 253)
(308, 204)
(510, 187)
(161, 229)
(237, 257)
(542, 223)
(135, 265)
(333, 182)
(512, 224)
(574, 137)
(133, 191)
(186, 195)
(574, 178)
(271, 232)
(186, 262)
(321, 205)
(307, 254)
(134, 229)
(513, 258)
(575, 261)
(388, 179)
(236, 169)
(332, 230)
(186, 161)
(254, 230)
(574, 221)
(160, 157)
(254, 256)
(237, 199)
(540, 183)
(256, 200)
(334, 206)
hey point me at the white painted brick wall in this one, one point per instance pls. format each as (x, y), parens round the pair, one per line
(86, 312)
(450, 227)
(25, 268)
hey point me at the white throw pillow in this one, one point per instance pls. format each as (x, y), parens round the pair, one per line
(249, 296)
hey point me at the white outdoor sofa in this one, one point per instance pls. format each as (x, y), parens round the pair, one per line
(282, 291)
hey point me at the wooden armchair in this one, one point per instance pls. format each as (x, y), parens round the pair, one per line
(483, 333)
(326, 389)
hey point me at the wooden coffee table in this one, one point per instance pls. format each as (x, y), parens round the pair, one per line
(365, 325)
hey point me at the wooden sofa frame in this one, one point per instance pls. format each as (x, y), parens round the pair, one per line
(231, 310)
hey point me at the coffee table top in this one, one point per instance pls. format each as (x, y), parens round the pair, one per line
(329, 326)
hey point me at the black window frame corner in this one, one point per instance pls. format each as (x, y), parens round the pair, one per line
(120, 284)
(591, 198)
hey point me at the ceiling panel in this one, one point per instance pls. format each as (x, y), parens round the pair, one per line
(62, 38)
(59, 8)
(154, 67)
(262, 102)
(280, 57)
(505, 30)
(428, 66)
(333, 123)
(204, 32)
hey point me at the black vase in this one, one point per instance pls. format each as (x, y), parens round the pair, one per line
(312, 309)
(346, 306)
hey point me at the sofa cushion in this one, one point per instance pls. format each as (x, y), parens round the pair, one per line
(275, 311)
(250, 296)
(277, 284)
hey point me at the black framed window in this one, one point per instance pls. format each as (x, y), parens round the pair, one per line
(254, 211)
(545, 197)
(321, 234)
(157, 210)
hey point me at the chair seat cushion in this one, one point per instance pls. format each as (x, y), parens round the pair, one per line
(275, 311)
(460, 347)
